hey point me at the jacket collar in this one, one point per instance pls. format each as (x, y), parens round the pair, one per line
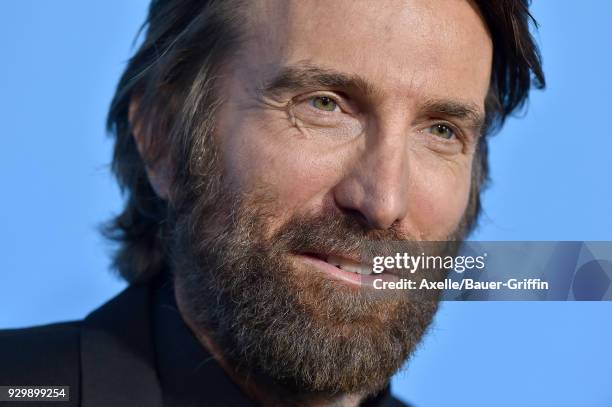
(117, 353)
(118, 358)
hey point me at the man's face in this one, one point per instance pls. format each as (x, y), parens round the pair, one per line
(393, 144)
(341, 122)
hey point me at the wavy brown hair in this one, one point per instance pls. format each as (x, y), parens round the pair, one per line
(172, 77)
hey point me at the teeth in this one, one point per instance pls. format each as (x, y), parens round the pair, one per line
(348, 265)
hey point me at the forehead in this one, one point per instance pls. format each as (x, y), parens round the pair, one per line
(403, 47)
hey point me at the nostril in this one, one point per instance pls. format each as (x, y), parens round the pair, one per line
(358, 217)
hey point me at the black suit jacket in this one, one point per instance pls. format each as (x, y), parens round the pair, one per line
(108, 359)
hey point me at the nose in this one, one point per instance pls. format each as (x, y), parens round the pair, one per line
(376, 187)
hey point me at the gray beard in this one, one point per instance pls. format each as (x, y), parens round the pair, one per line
(297, 329)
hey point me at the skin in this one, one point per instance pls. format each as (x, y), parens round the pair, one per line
(372, 107)
(377, 154)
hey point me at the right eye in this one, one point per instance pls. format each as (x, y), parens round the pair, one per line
(324, 103)
(326, 114)
(443, 131)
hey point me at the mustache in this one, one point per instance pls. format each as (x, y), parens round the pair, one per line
(333, 232)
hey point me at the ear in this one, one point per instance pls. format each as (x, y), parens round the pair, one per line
(157, 172)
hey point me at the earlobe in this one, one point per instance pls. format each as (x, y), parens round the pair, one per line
(157, 171)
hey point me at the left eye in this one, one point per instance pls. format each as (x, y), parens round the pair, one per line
(442, 130)
(324, 103)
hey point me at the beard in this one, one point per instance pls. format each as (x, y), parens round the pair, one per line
(271, 316)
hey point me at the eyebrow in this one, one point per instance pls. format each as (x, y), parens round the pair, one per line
(306, 76)
(464, 111)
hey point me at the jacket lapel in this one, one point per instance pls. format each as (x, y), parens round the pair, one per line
(117, 353)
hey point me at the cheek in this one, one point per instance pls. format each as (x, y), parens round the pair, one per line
(439, 198)
(270, 157)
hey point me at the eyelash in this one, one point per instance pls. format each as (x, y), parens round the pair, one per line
(310, 99)
(457, 134)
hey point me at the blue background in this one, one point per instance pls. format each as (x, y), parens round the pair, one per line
(551, 169)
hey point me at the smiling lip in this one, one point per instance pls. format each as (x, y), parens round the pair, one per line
(344, 269)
